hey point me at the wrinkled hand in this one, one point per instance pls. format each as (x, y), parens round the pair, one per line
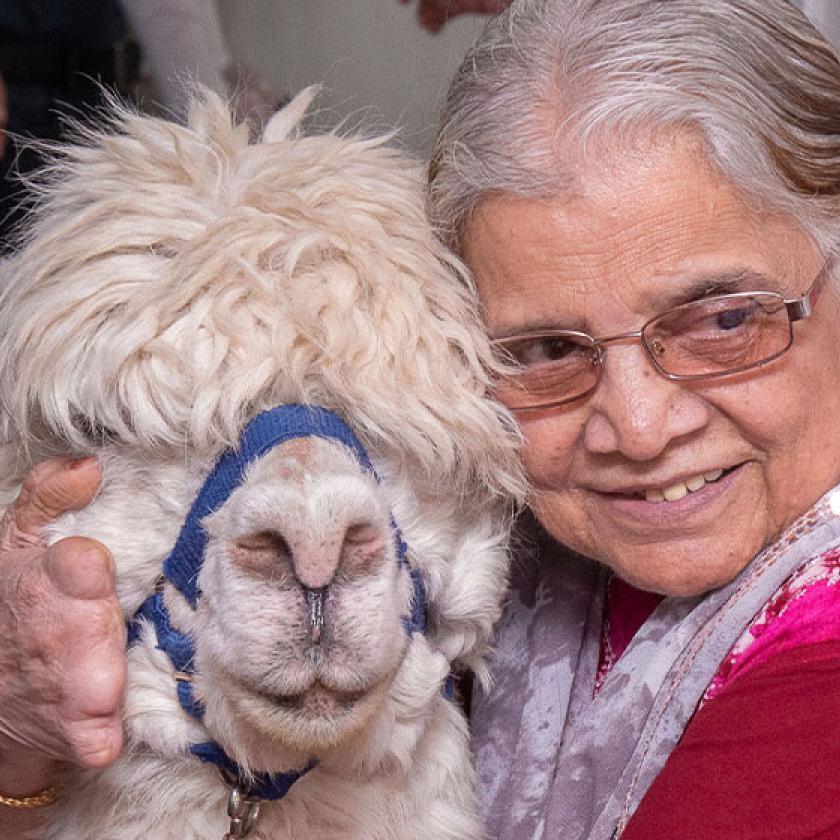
(434, 14)
(62, 638)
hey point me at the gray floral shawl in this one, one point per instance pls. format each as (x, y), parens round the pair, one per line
(556, 764)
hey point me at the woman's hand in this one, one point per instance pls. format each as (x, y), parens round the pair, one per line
(434, 14)
(62, 636)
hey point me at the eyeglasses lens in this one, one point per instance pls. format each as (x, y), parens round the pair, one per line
(707, 338)
(720, 335)
(551, 369)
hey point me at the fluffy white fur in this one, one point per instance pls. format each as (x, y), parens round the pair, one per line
(177, 281)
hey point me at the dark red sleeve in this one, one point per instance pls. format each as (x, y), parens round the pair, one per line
(761, 761)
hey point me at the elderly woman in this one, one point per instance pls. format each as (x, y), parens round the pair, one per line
(648, 194)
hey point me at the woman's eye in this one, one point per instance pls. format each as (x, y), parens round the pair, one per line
(731, 319)
(541, 350)
(714, 320)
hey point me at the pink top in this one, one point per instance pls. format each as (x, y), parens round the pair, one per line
(759, 759)
(805, 611)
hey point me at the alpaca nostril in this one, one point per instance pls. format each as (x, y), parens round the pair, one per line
(271, 542)
(362, 534)
(265, 553)
(315, 599)
(364, 549)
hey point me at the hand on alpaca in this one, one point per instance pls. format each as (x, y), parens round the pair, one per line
(63, 672)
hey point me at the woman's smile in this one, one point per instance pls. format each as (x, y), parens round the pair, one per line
(676, 504)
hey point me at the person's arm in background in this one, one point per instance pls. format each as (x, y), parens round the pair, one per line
(435, 14)
(183, 45)
(4, 117)
(62, 643)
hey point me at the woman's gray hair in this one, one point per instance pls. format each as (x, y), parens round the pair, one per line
(752, 78)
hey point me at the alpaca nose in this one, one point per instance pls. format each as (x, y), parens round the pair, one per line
(357, 550)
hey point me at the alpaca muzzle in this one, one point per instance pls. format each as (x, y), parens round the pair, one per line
(181, 569)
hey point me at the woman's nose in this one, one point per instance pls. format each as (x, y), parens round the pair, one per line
(636, 412)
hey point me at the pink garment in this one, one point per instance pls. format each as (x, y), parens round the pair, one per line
(805, 611)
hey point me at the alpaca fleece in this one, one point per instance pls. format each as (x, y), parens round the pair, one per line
(176, 281)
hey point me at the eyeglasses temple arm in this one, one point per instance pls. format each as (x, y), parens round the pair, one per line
(803, 307)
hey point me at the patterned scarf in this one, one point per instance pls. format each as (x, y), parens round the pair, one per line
(556, 764)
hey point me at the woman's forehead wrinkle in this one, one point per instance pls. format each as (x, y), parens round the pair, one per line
(634, 241)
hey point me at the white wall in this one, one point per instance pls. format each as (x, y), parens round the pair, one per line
(374, 59)
(826, 15)
(376, 62)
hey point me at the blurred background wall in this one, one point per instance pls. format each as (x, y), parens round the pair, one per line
(377, 64)
(826, 15)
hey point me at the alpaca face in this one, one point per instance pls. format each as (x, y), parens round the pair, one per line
(298, 631)
(181, 280)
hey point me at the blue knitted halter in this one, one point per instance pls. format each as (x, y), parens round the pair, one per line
(181, 568)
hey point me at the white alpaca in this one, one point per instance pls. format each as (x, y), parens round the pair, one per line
(179, 282)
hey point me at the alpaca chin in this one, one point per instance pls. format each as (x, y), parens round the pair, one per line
(278, 730)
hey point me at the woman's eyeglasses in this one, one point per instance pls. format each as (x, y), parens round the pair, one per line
(705, 339)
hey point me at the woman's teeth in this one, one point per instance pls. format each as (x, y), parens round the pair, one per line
(682, 488)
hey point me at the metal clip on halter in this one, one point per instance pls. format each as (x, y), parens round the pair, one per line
(242, 809)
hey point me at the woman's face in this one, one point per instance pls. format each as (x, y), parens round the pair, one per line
(642, 229)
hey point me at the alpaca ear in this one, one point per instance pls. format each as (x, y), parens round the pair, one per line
(281, 125)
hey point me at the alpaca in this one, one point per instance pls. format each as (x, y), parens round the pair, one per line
(183, 289)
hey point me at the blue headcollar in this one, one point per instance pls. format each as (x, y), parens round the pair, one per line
(182, 566)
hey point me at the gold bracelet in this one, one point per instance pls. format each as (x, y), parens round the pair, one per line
(39, 800)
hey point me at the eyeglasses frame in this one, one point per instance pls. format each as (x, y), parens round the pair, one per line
(797, 309)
